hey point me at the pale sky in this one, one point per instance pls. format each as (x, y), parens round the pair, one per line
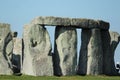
(21, 12)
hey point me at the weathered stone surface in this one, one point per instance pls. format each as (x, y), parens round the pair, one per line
(6, 47)
(65, 52)
(91, 55)
(114, 40)
(95, 53)
(52, 21)
(110, 41)
(17, 55)
(37, 47)
(73, 22)
(85, 38)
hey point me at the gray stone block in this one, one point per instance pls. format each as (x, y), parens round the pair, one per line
(37, 47)
(91, 54)
(6, 47)
(95, 53)
(65, 52)
(73, 22)
(110, 41)
(83, 57)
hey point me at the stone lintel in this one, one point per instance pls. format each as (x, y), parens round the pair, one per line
(74, 22)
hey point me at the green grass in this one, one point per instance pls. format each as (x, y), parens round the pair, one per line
(60, 78)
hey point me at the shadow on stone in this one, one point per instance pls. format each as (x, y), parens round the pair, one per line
(56, 66)
(16, 63)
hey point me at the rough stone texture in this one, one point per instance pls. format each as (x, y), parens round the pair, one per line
(17, 55)
(6, 47)
(95, 53)
(85, 38)
(91, 55)
(110, 41)
(37, 48)
(73, 22)
(65, 52)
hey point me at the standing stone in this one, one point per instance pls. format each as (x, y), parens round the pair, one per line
(37, 49)
(65, 52)
(110, 42)
(82, 63)
(114, 42)
(17, 55)
(91, 55)
(6, 49)
(95, 53)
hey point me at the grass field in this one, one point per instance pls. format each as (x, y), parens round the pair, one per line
(60, 78)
